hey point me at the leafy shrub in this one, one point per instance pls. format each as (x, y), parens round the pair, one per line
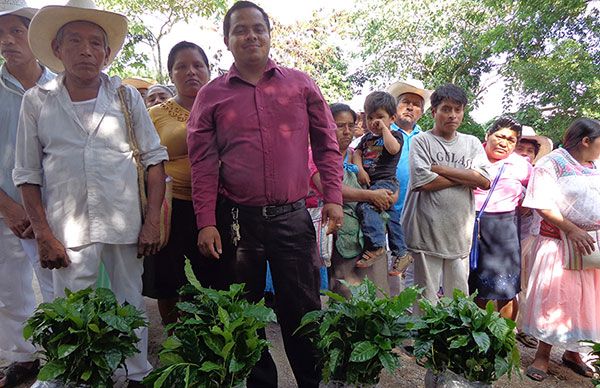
(85, 336)
(457, 335)
(355, 337)
(215, 342)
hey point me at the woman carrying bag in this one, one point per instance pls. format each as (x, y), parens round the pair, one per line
(496, 274)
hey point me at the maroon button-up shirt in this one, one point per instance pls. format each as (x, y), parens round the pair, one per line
(260, 135)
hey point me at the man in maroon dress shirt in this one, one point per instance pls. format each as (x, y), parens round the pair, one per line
(248, 137)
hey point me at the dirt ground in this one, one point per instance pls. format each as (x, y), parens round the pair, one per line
(410, 375)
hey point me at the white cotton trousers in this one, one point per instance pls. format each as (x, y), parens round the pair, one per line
(18, 261)
(125, 272)
(428, 270)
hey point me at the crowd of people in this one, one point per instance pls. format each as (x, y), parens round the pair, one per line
(266, 174)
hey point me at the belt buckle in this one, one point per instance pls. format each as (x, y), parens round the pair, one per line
(266, 211)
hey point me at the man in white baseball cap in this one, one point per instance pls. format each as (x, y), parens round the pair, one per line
(18, 251)
(73, 145)
(412, 101)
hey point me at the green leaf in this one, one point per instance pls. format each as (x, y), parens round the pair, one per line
(363, 351)
(114, 321)
(170, 358)
(498, 328)
(190, 276)
(164, 374)
(209, 366)
(482, 340)
(93, 327)
(223, 316)
(389, 361)
(51, 371)
(27, 332)
(85, 376)
(65, 350)
(459, 342)
(335, 297)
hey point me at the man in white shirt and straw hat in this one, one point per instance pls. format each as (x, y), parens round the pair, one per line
(18, 252)
(72, 145)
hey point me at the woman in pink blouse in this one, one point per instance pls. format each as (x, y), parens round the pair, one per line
(498, 273)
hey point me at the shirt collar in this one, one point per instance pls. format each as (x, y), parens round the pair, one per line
(416, 129)
(9, 81)
(56, 84)
(270, 67)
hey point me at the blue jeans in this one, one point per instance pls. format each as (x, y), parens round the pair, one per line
(374, 227)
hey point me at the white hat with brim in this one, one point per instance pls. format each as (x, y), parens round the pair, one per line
(545, 143)
(46, 23)
(17, 8)
(413, 86)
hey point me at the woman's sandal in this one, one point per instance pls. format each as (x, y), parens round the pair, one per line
(370, 257)
(536, 374)
(18, 372)
(580, 369)
(527, 340)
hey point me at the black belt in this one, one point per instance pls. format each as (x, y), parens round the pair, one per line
(269, 211)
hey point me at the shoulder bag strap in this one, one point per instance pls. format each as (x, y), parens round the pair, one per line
(487, 199)
(135, 149)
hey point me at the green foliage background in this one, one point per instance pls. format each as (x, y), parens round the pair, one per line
(546, 51)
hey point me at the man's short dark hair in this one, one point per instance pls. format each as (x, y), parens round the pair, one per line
(380, 100)
(448, 92)
(535, 144)
(241, 5)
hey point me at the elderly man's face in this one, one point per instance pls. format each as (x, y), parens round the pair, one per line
(14, 46)
(409, 110)
(83, 50)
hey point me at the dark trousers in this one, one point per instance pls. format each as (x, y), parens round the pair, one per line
(288, 241)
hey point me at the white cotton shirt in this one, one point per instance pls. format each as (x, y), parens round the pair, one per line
(88, 178)
(85, 111)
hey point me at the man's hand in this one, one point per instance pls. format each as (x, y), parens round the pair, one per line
(53, 254)
(209, 242)
(382, 199)
(149, 239)
(17, 221)
(332, 215)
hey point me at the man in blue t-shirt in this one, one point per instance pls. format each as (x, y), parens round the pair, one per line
(412, 101)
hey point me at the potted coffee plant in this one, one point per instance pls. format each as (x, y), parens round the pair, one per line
(84, 337)
(215, 342)
(463, 345)
(357, 338)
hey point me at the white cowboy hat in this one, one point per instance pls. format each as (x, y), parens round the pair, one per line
(545, 143)
(413, 86)
(50, 19)
(17, 8)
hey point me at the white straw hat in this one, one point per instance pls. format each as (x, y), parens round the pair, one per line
(413, 86)
(17, 8)
(50, 19)
(545, 143)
